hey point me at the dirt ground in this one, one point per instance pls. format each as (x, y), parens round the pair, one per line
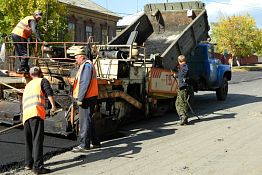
(227, 141)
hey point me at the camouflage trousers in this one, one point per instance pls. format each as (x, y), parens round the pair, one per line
(181, 103)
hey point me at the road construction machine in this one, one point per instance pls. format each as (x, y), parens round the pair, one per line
(135, 69)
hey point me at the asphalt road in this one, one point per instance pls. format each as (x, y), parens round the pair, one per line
(12, 143)
(12, 147)
(227, 140)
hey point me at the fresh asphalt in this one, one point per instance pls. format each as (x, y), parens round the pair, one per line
(12, 148)
(12, 142)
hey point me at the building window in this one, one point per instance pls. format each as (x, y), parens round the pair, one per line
(109, 33)
(71, 31)
(104, 35)
(89, 31)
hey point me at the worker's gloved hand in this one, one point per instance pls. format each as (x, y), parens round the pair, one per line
(174, 75)
(45, 43)
(79, 103)
(52, 111)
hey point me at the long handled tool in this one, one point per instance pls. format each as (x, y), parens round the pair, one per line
(12, 127)
(191, 109)
(11, 87)
(187, 101)
(20, 124)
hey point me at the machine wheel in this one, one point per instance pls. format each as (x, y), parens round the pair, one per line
(222, 91)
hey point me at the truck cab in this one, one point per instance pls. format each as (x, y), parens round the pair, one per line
(207, 72)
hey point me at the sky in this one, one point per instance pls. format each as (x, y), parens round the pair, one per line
(215, 8)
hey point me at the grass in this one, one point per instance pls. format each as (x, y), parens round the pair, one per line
(255, 67)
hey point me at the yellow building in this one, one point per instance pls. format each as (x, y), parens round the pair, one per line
(87, 18)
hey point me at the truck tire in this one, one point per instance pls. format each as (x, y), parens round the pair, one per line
(222, 91)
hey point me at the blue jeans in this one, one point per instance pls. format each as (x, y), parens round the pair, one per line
(21, 50)
(87, 133)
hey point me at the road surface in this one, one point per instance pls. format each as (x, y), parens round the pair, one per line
(227, 140)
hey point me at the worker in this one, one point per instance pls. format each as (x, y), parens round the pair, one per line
(33, 119)
(183, 90)
(85, 92)
(21, 33)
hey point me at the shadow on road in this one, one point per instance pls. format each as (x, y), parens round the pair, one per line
(207, 104)
(126, 146)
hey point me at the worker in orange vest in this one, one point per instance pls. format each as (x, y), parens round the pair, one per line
(85, 92)
(33, 119)
(21, 33)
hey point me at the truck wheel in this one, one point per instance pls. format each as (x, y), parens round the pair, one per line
(221, 92)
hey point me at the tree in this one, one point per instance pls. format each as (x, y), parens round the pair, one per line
(238, 34)
(259, 43)
(52, 25)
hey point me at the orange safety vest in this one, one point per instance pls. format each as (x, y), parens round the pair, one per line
(22, 28)
(33, 100)
(92, 90)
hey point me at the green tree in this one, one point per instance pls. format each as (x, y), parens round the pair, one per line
(52, 25)
(238, 34)
(259, 43)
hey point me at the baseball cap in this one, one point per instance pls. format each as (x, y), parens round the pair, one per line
(38, 13)
(35, 70)
(80, 52)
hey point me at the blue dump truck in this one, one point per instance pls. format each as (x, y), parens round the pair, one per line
(207, 72)
(135, 69)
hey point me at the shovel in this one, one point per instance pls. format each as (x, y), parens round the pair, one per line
(20, 124)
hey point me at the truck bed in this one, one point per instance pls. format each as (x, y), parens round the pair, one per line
(169, 30)
(157, 42)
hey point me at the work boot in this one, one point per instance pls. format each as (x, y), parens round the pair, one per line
(28, 167)
(41, 170)
(183, 121)
(20, 70)
(27, 68)
(79, 149)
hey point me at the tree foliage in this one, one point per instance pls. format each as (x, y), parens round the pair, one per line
(238, 35)
(259, 43)
(52, 24)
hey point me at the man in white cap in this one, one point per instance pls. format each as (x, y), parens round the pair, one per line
(21, 33)
(85, 91)
(33, 119)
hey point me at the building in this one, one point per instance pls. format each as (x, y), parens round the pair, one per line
(87, 18)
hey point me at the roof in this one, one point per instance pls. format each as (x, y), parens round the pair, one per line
(87, 4)
(127, 20)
